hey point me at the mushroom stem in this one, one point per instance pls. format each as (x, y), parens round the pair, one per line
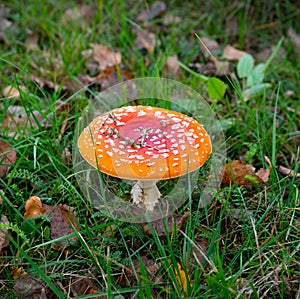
(147, 193)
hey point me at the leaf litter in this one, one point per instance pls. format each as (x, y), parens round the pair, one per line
(171, 69)
(239, 173)
(101, 57)
(29, 287)
(4, 232)
(18, 120)
(233, 54)
(144, 40)
(8, 157)
(63, 219)
(154, 11)
(167, 225)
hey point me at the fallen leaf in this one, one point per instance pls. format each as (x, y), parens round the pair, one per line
(67, 156)
(72, 85)
(8, 157)
(18, 120)
(112, 76)
(34, 207)
(211, 68)
(12, 92)
(264, 174)
(7, 27)
(80, 12)
(145, 40)
(4, 233)
(209, 45)
(295, 39)
(150, 265)
(102, 57)
(237, 171)
(63, 222)
(28, 287)
(17, 117)
(161, 225)
(171, 68)
(169, 19)
(232, 54)
(31, 41)
(18, 272)
(197, 256)
(83, 286)
(287, 172)
(48, 64)
(63, 218)
(44, 82)
(154, 11)
(222, 67)
(265, 54)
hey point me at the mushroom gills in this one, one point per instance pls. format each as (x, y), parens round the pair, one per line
(146, 193)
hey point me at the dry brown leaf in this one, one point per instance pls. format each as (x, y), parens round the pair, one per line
(80, 82)
(4, 233)
(28, 287)
(63, 221)
(154, 11)
(150, 265)
(233, 54)
(159, 225)
(264, 174)
(80, 12)
(236, 171)
(222, 67)
(16, 119)
(211, 68)
(197, 255)
(34, 207)
(110, 77)
(44, 82)
(7, 27)
(171, 68)
(63, 217)
(287, 171)
(102, 57)
(17, 272)
(8, 156)
(265, 54)
(12, 92)
(209, 45)
(169, 19)
(144, 40)
(31, 42)
(295, 39)
(83, 286)
(67, 156)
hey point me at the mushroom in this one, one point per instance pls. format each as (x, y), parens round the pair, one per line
(146, 144)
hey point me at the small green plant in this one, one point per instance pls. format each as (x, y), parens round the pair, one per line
(216, 88)
(253, 76)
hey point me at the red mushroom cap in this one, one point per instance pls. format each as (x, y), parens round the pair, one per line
(145, 143)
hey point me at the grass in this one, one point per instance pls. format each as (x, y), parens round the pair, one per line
(249, 235)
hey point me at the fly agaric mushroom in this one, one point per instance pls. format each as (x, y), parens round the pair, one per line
(146, 144)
